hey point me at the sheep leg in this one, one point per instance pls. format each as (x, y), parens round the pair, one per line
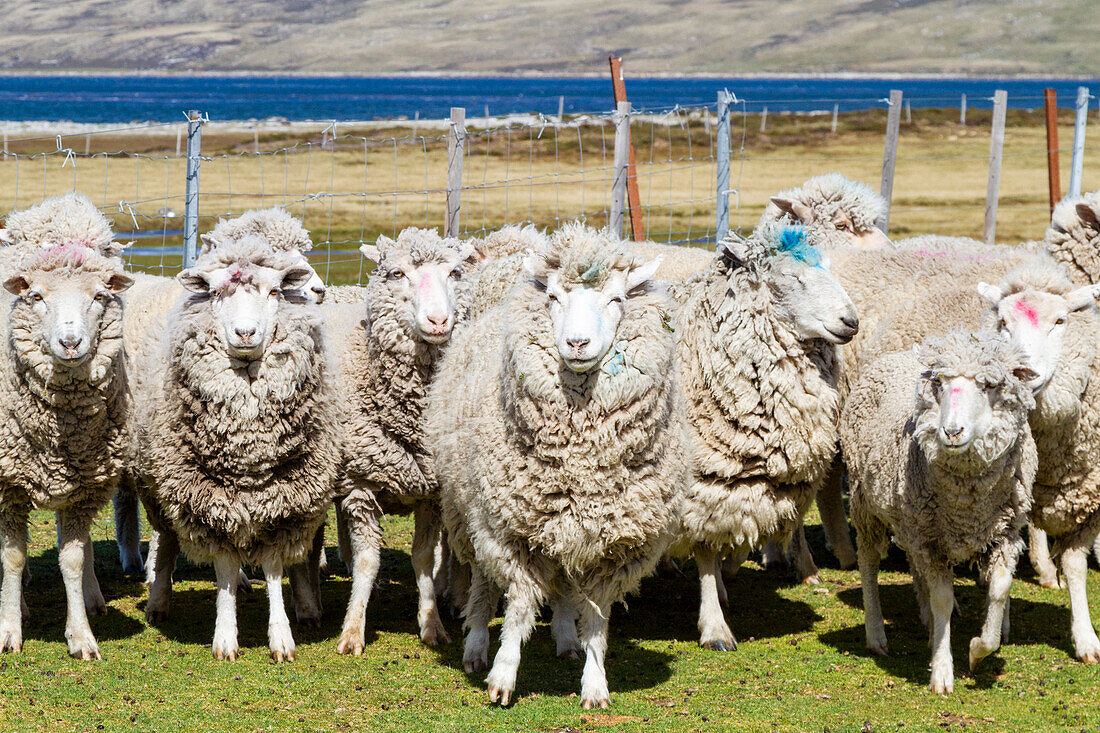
(305, 584)
(481, 606)
(1000, 580)
(520, 608)
(1038, 551)
(714, 634)
(13, 554)
(151, 566)
(441, 559)
(458, 584)
(564, 628)
(94, 603)
(161, 567)
(941, 597)
(723, 593)
(830, 505)
(365, 555)
(734, 561)
(128, 526)
(280, 641)
(594, 692)
(1096, 549)
(804, 564)
(227, 568)
(343, 537)
(920, 588)
(772, 556)
(869, 559)
(78, 633)
(1075, 569)
(428, 529)
(322, 561)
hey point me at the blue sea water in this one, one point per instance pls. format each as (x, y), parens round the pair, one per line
(120, 99)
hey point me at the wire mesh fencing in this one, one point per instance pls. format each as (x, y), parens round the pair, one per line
(352, 181)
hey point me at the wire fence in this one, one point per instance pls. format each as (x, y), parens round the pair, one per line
(352, 181)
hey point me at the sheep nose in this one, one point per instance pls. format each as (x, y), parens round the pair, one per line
(245, 332)
(952, 433)
(438, 319)
(577, 343)
(72, 343)
(851, 322)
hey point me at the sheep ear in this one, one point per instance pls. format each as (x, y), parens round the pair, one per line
(644, 273)
(16, 285)
(534, 266)
(991, 293)
(470, 255)
(296, 277)
(1082, 298)
(1085, 213)
(371, 253)
(1025, 373)
(208, 242)
(119, 282)
(794, 209)
(734, 251)
(194, 281)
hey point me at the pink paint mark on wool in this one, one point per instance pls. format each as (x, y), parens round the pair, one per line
(1027, 311)
(75, 251)
(425, 286)
(955, 391)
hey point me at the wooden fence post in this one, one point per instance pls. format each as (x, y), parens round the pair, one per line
(621, 167)
(996, 144)
(456, 141)
(890, 155)
(618, 87)
(1054, 178)
(1078, 162)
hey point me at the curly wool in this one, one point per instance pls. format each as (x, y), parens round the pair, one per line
(1074, 240)
(509, 240)
(942, 508)
(63, 430)
(679, 262)
(762, 407)
(282, 231)
(549, 475)
(832, 196)
(241, 457)
(385, 372)
(67, 219)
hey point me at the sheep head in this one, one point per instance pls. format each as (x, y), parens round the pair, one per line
(587, 277)
(972, 399)
(806, 293)
(1031, 308)
(62, 293)
(845, 211)
(422, 279)
(245, 283)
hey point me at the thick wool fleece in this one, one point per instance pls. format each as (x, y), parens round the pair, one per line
(281, 230)
(679, 262)
(385, 372)
(68, 219)
(345, 294)
(510, 240)
(762, 408)
(830, 197)
(551, 477)
(63, 430)
(942, 508)
(240, 457)
(1074, 240)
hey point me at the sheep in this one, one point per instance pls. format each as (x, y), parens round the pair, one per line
(67, 219)
(1073, 237)
(757, 340)
(388, 355)
(948, 475)
(557, 432)
(509, 240)
(845, 212)
(238, 428)
(63, 422)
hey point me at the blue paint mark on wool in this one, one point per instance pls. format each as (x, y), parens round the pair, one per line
(791, 240)
(591, 273)
(616, 363)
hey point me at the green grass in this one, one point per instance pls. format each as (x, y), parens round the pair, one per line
(801, 664)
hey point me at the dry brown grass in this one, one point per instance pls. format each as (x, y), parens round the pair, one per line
(379, 181)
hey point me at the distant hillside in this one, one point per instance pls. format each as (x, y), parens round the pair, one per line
(506, 36)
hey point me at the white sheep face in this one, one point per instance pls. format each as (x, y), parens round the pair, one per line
(69, 307)
(586, 318)
(426, 294)
(965, 409)
(839, 224)
(245, 301)
(314, 290)
(1036, 322)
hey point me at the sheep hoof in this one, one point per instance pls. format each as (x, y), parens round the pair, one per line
(11, 640)
(942, 687)
(603, 704)
(277, 655)
(719, 645)
(814, 579)
(95, 606)
(880, 649)
(500, 695)
(978, 652)
(85, 651)
(156, 615)
(573, 652)
(1090, 657)
(349, 646)
(473, 666)
(227, 655)
(1054, 582)
(432, 633)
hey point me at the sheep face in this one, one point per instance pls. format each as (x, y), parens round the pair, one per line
(1035, 321)
(245, 299)
(970, 404)
(836, 223)
(67, 304)
(314, 290)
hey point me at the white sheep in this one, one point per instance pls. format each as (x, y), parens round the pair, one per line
(947, 475)
(63, 422)
(67, 219)
(757, 339)
(557, 433)
(238, 428)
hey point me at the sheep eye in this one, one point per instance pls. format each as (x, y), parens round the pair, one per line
(617, 299)
(101, 296)
(36, 297)
(274, 292)
(1060, 322)
(396, 274)
(841, 226)
(553, 298)
(456, 273)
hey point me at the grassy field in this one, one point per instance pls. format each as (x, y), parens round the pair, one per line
(801, 664)
(374, 181)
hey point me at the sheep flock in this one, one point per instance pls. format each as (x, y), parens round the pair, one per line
(562, 412)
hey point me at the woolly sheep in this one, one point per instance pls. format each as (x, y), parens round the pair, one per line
(238, 429)
(67, 219)
(63, 422)
(388, 354)
(556, 428)
(509, 240)
(1073, 237)
(947, 475)
(757, 334)
(843, 211)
